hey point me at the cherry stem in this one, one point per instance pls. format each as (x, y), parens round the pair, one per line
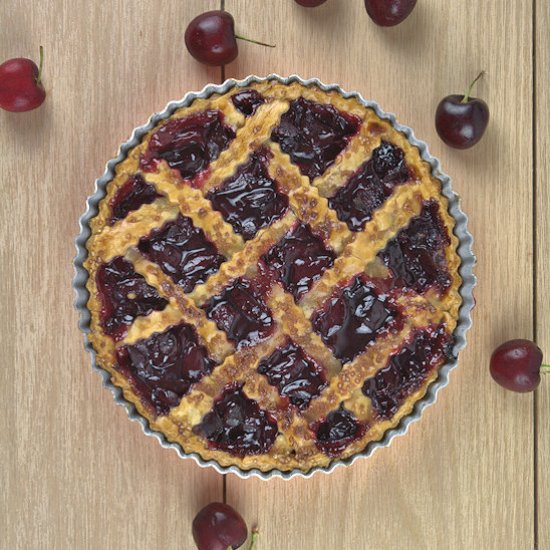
(253, 538)
(254, 41)
(545, 369)
(40, 65)
(466, 97)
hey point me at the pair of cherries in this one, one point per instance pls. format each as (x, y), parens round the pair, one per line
(385, 13)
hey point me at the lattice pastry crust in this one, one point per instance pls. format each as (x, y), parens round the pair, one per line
(341, 355)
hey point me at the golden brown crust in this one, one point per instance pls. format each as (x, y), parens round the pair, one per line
(356, 253)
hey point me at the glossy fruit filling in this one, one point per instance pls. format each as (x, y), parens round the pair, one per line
(182, 251)
(370, 186)
(249, 200)
(124, 295)
(407, 370)
(416, 256)
(299, 259)
(354, 317)
(164, 366)
(237, 425)
(337, 431)
(314, 134)
(242, 313)
(135, 192)
(247, 101)
(188, 144)
(296, 375)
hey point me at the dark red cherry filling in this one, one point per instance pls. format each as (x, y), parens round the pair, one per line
(247, 101)
(183, 252)
(188, 144)
(164, 366)
(370, 186)
(249, 200)
(299, 259)
(314, 134)
(124, 295)
(416, 256)
(242, 313)
(135, 192)
(354, 317)
(407, 370)
(296, 375)
(237, 425)
(339, 429)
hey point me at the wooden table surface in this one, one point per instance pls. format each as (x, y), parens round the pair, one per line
(76, 474)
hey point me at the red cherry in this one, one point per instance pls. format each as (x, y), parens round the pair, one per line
(516, 365)
(310, 3)
(20, 84)
(219, 527)
(461, 121)
(388, 13)
(210, 38)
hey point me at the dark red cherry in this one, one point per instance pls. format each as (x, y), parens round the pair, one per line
(388, 13)
(310, 3)
(20, 84)
(211, 39)
(219, 527)
(461, 121)
(516, 365)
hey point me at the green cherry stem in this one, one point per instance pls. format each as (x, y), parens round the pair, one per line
(40, 65)
(545, 369)
(253, 538)
(254, 41)
(468, 92)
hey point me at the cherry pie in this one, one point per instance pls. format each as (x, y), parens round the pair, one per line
(273, 277)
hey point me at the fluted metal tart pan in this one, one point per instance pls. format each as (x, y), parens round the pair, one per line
(464, 251)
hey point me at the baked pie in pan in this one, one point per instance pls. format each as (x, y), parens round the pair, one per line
(273, 277)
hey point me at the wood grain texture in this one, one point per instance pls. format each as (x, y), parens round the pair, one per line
(76, 474)
(453, 481)
(543, 279)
